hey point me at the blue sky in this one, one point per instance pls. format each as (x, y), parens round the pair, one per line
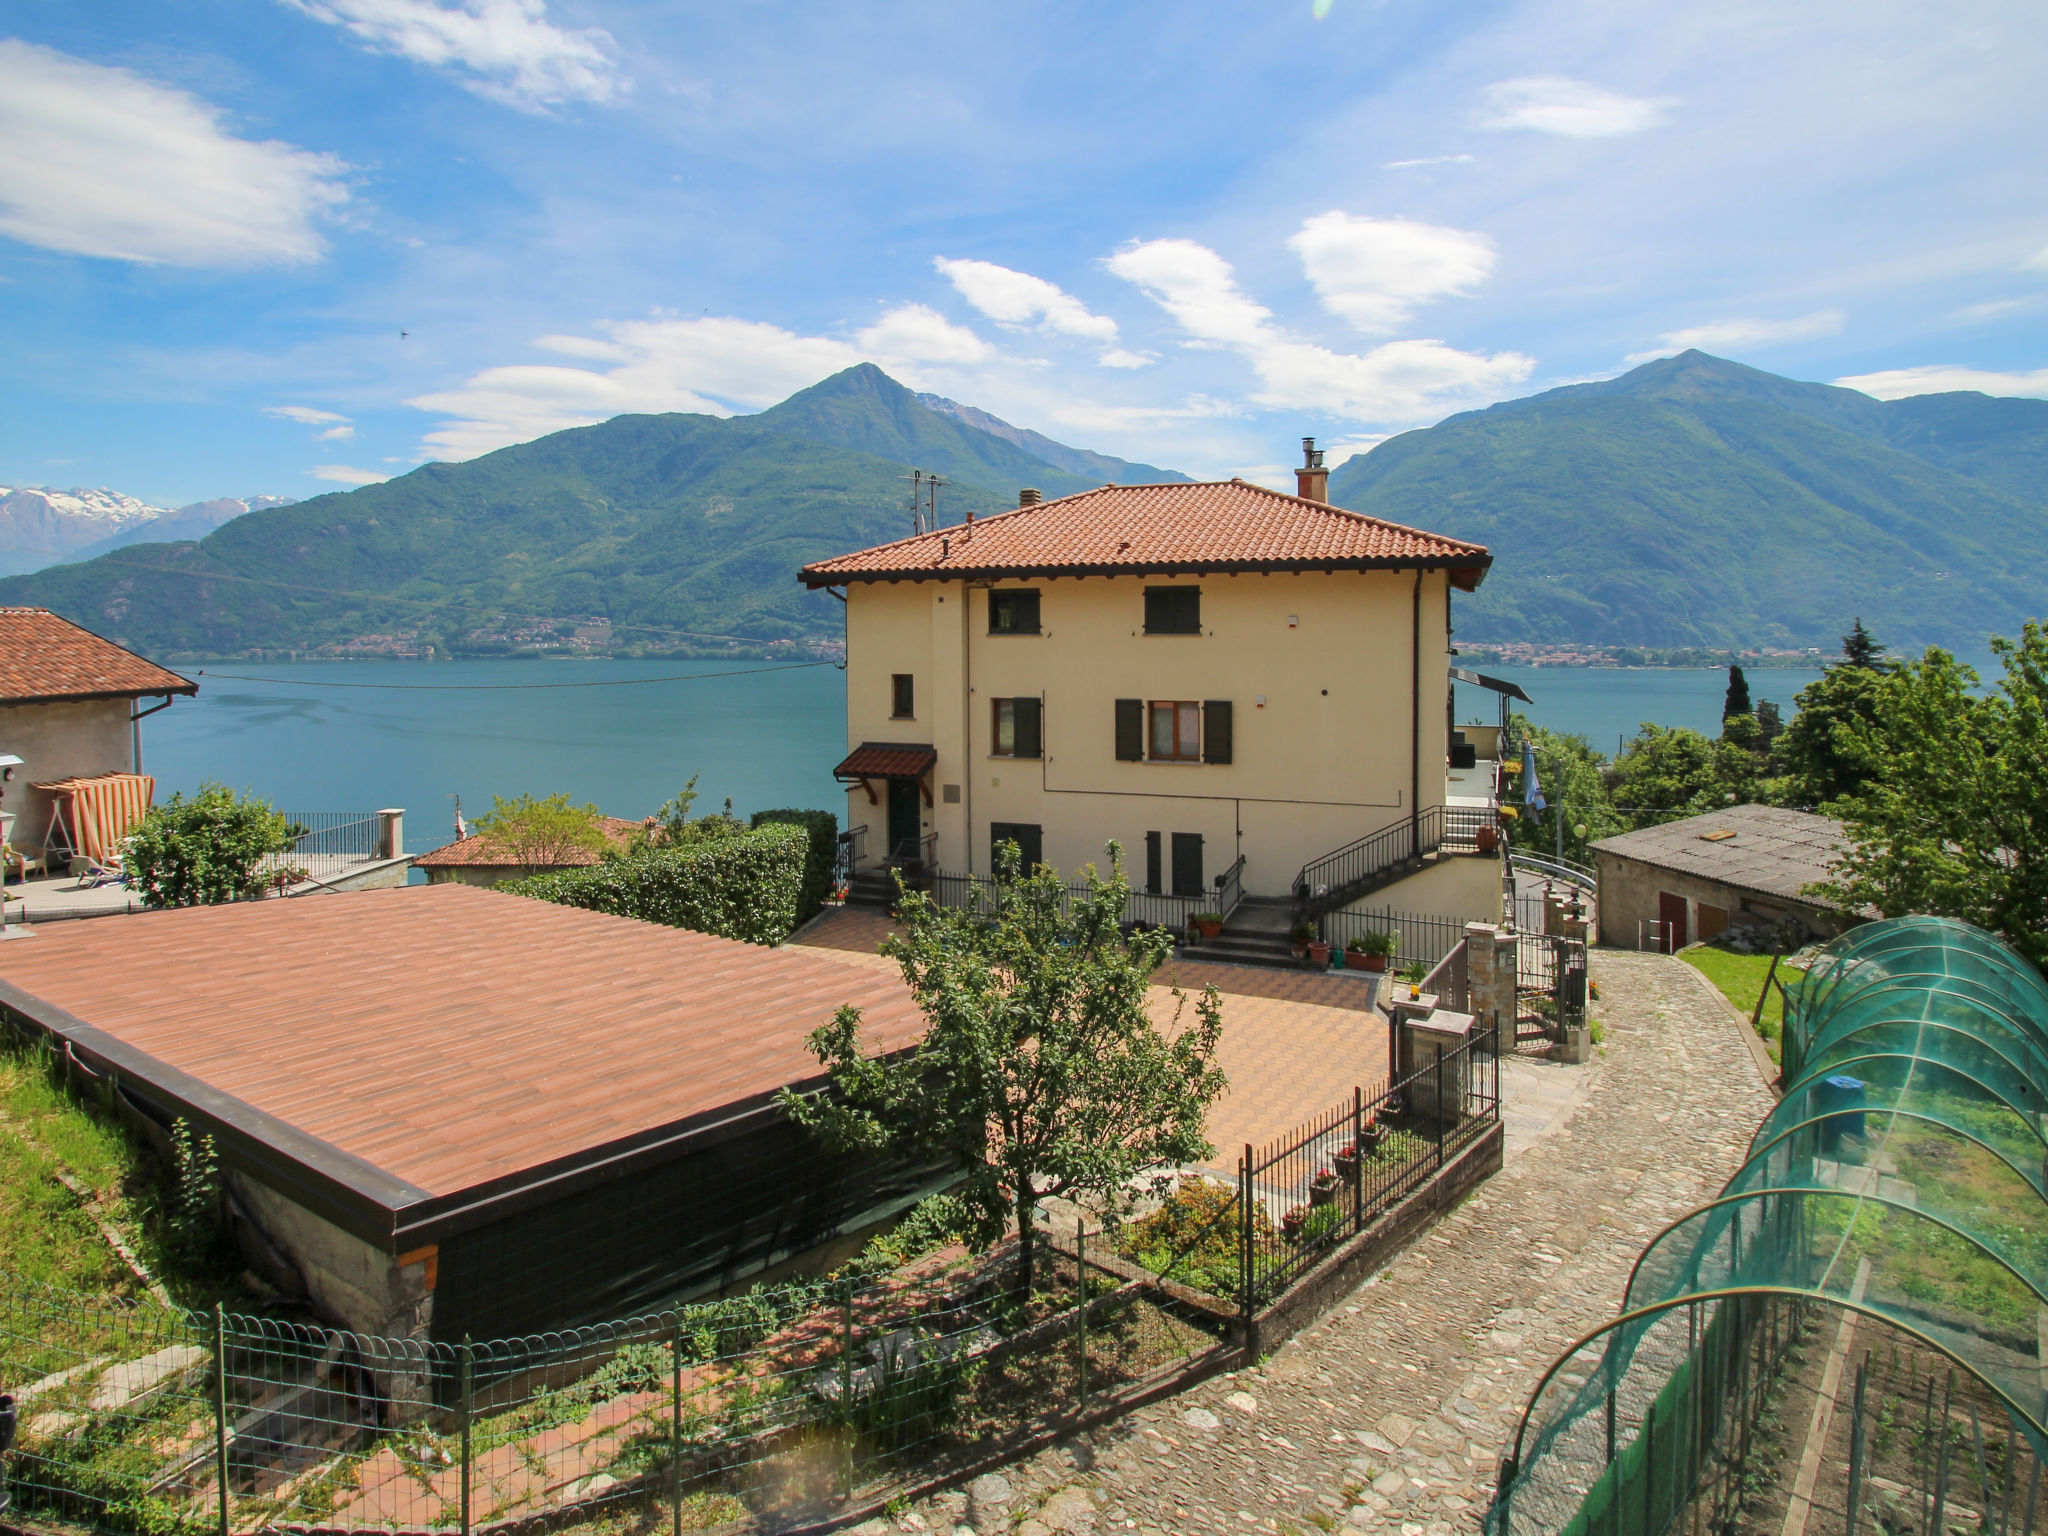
(1183, 233)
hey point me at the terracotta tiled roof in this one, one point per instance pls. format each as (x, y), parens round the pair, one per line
(886, 760)
(44, 659)
(474, 1045)
(1143, 529)
(479, 852)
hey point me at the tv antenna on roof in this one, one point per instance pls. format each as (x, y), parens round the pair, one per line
(924, 501)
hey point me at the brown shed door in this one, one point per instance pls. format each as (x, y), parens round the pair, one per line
(1671, 919)
(1713, 921)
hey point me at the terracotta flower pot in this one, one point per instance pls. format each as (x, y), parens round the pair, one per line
(1323, 1190)
(1209, 927)
(1319, 952)
(1375, 962)
(1489, 838)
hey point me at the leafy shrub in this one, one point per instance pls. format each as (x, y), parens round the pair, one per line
(195, 1192)
(932, 1223)
(203, 850)
(746, 886)
(821, 859)
(543, 832)
(1192, 1237)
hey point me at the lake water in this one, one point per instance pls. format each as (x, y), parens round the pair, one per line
(363, 735)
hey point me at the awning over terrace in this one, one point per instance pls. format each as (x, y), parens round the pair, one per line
(1901, 1176)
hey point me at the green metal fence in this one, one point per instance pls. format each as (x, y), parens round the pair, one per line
(1900, 1179)
(784, 1403)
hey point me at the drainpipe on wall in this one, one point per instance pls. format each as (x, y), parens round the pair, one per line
(966, 727)
(1415, 723)
(135, 719)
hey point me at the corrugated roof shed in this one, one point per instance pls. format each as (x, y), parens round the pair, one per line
(1761, 848)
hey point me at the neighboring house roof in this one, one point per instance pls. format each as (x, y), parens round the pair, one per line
(1126, 530)
(887, 760)
(476, 1053)
(1766, 849)
(46, 660)
(480, 852)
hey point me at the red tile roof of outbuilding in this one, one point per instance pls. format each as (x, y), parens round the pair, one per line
(45, 659)
(409, 1055)
(477, 851)
(1224, 525)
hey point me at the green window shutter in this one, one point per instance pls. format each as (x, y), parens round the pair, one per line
(1153, 872)
(1216, 731)
(1028, 735)
(1130, 730)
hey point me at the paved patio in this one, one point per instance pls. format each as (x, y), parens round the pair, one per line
(1294, 1042)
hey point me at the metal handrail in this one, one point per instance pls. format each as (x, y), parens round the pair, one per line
(1567, 870)
(1230, 889)
(1328, 878)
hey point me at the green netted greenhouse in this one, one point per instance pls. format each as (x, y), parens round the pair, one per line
(1854, 1334)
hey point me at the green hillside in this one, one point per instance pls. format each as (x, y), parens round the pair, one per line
(677, 528)
(1697, 502)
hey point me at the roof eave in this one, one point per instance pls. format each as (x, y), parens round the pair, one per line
(184, 689)
(1472, 565)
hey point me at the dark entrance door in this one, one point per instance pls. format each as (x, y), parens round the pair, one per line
(904, 822)
(1187, 864)
(1671, 922)
(1029, 838)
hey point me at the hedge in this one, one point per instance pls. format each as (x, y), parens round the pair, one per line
(821, 862)
(747, 887)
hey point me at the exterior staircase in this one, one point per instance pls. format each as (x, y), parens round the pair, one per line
(1256, 934)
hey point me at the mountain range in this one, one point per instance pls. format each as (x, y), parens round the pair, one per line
(1690, 502)
(41, 525)
(1696, 501)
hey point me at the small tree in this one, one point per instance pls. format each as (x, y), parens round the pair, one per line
(1737, 701)
(203, 850)
(1956, 823)
(1861, 649)
(1042, 1074)
(1769, 722)
(543, 833)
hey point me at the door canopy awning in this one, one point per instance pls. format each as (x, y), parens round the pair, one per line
(873, 760)
(886, 760)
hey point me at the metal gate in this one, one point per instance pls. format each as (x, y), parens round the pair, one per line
(1550, 986)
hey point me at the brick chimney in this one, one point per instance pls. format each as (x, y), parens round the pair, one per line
(1312, 480)
(1028, 497)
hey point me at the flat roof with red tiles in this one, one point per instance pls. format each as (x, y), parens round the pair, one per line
(47, 660)
(478, 851)
(404, 1061)
(1123, 530)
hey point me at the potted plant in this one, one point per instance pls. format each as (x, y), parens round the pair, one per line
(1488, 837)
(1319, 951)
(1301, 933)
(1346, 1160)
(1207, 924)
(1322, 1189)
(1377, 948)
(1292, 1223)
(1371, 1135)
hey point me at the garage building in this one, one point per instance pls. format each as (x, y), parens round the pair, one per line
(1665, 887)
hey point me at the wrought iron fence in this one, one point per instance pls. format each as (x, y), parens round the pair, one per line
(1338, 876)
(1297, 1198)
(1150, 909)
(1424, 939)
(802, 1396)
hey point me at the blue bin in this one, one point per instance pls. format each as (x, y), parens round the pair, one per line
(1841, 1100)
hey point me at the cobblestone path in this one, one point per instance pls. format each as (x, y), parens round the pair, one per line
(1392, 1412)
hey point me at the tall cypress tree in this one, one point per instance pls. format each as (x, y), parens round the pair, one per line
(1737, 702)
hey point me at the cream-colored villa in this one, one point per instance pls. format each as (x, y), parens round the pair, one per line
(1249, 691)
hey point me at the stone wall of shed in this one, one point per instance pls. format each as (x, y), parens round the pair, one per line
(1628, 902)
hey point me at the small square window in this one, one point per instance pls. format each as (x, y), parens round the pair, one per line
(903, 696)
(1176, 735)
(1173, 610)
(1013, 611)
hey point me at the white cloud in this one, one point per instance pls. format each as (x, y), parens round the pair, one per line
(1571, 108)
(715, 365)
(344, 474)
(99, 161)
(1736, 335)
(1375, 272)
(1124, 357)
(1402, 380)
(1018, 299)
(304, 415)
(1405, 165)
(2038, 262)
(912, 334)
(504, 49)
(1940, 378)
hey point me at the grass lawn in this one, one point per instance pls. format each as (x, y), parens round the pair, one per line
(1740, 978)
